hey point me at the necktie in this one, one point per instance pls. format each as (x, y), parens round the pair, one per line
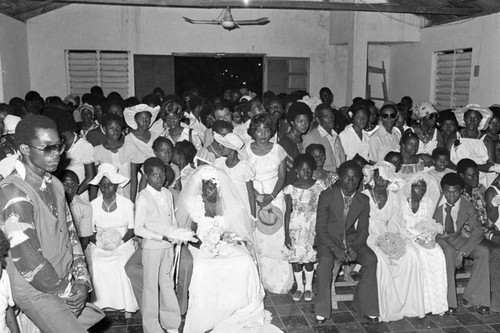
(448, 221)
(347, 205)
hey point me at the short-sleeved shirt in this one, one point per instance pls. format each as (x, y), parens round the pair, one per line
(82, 216)
(79, 154)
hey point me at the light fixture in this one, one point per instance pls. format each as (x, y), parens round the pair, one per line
(246, 2)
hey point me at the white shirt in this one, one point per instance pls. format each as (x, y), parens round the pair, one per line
(353, 145)
(6, 300)
(382, 142)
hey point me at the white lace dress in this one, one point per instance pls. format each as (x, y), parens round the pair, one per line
(432, 261)
(276, 272)
(225, 293)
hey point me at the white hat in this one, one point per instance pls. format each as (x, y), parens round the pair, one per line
(129, 114)
(230, 140)
(111, 172)
(485, 113)
(10, 122)
(424, 109)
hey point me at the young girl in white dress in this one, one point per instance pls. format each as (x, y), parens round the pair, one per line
(301, 200)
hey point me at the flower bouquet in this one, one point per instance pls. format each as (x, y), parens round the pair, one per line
(428, 229)
(216, 239)
(392, 244)
(108, 239)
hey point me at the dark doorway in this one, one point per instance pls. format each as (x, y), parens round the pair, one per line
(211, 74)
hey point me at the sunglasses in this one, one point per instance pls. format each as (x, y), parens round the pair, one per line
(50, 149)
(387, 115)
(432, 116)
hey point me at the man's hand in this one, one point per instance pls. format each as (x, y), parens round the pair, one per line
(288, 242)
(459, 260)
(343, 257)
(353, 254)
(76, 301)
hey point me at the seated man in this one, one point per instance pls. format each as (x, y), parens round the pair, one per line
(46, 266)
(462, 238)
(341, 233)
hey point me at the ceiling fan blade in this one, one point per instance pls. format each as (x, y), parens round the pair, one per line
(200, 21)
(259, 21)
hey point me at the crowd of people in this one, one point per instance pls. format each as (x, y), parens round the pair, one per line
(190, 206)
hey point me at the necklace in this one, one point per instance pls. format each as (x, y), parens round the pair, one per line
(108, 207)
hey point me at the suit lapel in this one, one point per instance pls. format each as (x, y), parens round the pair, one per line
(353, 211)
(462, 216)
(438, 214)
(338, 203)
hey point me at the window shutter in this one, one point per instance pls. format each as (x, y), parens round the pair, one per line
(114, 72)
(83, 71)
(453, 71)
(107, 69)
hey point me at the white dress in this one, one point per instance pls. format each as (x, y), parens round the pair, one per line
(429, 146)
(476, 150)
(79, 154)
(240, 174)
(112, 287)
(399, 282)
(276, 272)
(432, 261)
(225, 293)
(140, 150)
(353, 145)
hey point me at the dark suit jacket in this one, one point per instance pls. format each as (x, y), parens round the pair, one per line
(330, 227)
(466, 215)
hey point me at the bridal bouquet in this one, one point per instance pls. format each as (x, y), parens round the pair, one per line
(216, 238)
(108, 239)
(428, 229)
(392, 244)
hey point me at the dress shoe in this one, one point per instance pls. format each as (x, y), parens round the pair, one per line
(371, 319)
(467, 304)
(319, 320)
(452, 311)
(484, 310)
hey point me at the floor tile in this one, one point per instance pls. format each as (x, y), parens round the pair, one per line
(300, 330)
(306, 308)
(294, 321)
(282, 299)
(400, 326)
(288, 310)
(459, 329)
(325, 329)
(445, 321)
(495, 327)
(272, 310)
(431, 330)
(468, 319)
(276, 321)
(342, 317)
(311, 319)
(134, 329)
(492, 318)
(375, 327)
(350, 328)
(479, 329)
(422, 323)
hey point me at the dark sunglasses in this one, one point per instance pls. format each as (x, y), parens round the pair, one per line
(387, 115)
(50, 149)
(432, 116)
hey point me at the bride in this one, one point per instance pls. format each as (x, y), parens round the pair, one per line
(225, 293)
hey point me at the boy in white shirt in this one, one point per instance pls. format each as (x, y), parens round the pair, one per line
(154, 220)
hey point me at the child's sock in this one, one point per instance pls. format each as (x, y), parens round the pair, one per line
(298, 279)
(309, 279)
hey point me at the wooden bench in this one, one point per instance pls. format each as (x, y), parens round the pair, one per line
(463, 274)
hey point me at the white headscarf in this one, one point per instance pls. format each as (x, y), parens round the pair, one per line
(387, 171)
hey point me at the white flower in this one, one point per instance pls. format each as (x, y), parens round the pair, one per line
(495, 202)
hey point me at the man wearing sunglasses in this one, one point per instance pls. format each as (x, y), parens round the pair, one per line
(387, 137)
(46, 266)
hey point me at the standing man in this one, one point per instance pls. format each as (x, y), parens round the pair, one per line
(325, 134)
(47, 269)
(462, 238)
(341, 233)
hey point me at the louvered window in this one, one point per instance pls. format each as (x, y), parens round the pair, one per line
(107, 69)
(285, 75)
(452, 79)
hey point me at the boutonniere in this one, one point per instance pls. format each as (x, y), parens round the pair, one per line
(456, 143)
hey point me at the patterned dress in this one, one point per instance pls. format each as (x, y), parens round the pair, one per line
(303, 221)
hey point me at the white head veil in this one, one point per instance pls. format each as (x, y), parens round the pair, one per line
(432, 193)
(229, 203)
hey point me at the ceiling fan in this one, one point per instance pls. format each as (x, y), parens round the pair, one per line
(226, 20)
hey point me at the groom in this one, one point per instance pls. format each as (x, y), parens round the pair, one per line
(341, 233)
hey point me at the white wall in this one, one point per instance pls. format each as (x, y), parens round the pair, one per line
(14, 76)
(149, 30)
(412, 64)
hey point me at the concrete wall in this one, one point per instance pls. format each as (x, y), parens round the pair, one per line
(412, 64)
(14, 75)
(148, 30)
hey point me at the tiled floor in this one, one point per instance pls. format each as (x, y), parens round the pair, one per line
(298, 317)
